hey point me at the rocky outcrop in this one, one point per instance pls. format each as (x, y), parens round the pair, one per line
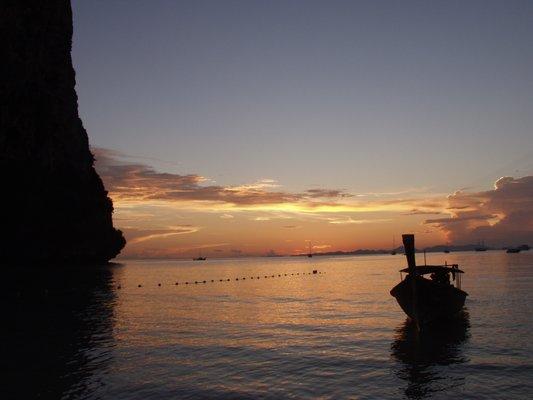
(55, 207)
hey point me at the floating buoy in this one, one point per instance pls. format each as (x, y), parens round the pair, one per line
(315, 271)
(228, 279)
(243, 279)
(158, 284)
(176, 284)
(186, 283)
(118, 287)
(212, 280)
(236, 279)
(203, 282)
(139, 285)
(220, 280)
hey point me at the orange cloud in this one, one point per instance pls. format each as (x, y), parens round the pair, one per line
(139, 183)
(134, 235)
(502, 216)
(135, 181)
(350, 220)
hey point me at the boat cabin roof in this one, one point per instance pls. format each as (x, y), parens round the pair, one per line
(430, 269)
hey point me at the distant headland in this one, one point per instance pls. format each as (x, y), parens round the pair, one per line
(442, 248)
(56, 209)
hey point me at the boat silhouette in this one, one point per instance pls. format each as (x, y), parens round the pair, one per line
(481, 246)
(524, 247)
(427, 300)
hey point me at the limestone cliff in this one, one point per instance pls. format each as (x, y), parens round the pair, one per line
(55, 207)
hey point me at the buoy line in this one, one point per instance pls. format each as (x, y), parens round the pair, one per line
(202, 282)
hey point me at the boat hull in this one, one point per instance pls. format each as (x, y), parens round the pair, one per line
(434, 301)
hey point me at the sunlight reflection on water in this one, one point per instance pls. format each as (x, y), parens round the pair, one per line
(338, 334)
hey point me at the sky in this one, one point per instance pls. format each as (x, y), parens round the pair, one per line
(233, 128)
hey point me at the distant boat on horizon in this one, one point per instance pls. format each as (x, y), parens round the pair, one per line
(427, 300)
(199, 258)
(393, 251)
(481, 246)
(513, 250)
(518, 249)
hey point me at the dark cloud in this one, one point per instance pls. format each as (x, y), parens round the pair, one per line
(416, 211)
(502, 216)
(474, 216)
(326, 193)
(137, 181)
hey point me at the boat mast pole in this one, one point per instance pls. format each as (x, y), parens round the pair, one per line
(409, 247)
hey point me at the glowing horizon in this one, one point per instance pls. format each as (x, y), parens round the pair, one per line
(167, 215)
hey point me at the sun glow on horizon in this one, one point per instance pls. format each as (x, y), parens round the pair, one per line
(172, 215)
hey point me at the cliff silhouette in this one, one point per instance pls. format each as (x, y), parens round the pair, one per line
(55, 207)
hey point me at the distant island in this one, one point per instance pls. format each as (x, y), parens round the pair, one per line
(441, 248)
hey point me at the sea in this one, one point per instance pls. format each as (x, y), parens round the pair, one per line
(263, 328)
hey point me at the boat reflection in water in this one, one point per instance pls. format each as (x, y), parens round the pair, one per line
(425, 357)
(58, 330)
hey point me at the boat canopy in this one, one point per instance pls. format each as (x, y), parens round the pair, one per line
(430, 269)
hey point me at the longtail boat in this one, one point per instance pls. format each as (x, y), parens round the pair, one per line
(435, 298)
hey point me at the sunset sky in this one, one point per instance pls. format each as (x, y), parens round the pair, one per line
(233, 128)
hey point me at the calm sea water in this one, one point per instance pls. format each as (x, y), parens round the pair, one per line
(94, 334)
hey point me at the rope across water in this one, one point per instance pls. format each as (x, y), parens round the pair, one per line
(202, 282)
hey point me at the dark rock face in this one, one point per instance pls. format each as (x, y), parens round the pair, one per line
(55, 207)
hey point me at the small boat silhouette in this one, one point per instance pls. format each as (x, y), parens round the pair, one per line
(425, 300)
(481, 246)
(199, 258)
